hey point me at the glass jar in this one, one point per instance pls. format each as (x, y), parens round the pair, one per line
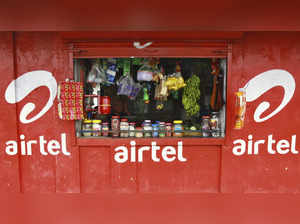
(105, 129)
(87, 128)
(147, 129)
(96, 127)
(124, 127)
(177, 128)
(139, 132)
(115, 125)
(131, 129)
(214, 124)
(205, 126)
(168, 129)
(162, 129)
(155, 128)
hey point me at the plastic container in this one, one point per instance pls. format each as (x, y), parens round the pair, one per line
(87, 128)
(205, 126)
(124, 127)
(105, 129)
(96, 127)
(131, 129)
(162, 129)
(147, 129)
(155, 130)
(139, 132)
(168, 129)
(177, 128)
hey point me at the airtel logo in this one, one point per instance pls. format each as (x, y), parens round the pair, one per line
(18, 89)
(265, 81)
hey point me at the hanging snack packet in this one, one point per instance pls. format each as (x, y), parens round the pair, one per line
(145, 72)
(96, 73)
(111, 70)
(240, 108)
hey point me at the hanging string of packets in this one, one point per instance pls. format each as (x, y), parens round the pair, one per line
(70, 97)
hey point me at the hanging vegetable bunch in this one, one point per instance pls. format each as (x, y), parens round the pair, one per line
(191, 96)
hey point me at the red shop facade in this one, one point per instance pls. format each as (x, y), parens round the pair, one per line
(218, 177)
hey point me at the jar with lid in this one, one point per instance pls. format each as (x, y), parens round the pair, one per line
(124, 127)
(177, 128)
(131, 129)
(168, 129)
(205, 126)
(155, 128)
(215, 124)
(105, 129)
(87, 128)
(115, 125)
(147, 129)
(96, 127)
(162, 129)
(139, 132)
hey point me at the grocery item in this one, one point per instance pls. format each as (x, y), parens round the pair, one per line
(205, 126)
(96, 127)
(147, 129)
(168, 129)
(216, 100)
(115, 126)
(104, 105)
(162, 129)
(175, 83)
(177, 128)
(124, 127)
(131, 129)
(97, 73)
(191, 96)
(214, 124)
(155, 128)
(70, 96)
(240, 108)
(87, 128)
(127, 87)
(145, 73)
(105, 129)
(111, 70)
(139, 132)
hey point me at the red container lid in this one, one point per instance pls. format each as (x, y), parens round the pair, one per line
(124, 119)
(115, 117)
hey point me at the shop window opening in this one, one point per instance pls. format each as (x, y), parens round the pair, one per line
(152, 97)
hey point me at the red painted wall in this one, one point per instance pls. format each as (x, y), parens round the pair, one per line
(210, 169)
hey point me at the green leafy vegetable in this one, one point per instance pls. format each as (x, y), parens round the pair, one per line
(191, 96)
